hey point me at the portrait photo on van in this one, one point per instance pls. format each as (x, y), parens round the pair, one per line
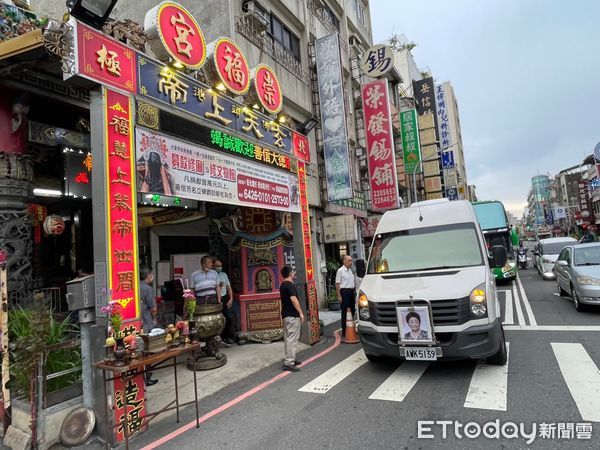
(415, 324)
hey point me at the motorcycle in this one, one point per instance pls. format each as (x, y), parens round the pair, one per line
(522, 258)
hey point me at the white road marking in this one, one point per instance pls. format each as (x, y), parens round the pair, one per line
(489, 386)
(582, 378)
(508, 308)
(532, 320)
(400, 382)
(520, 317)
(337, 373)
(552, 328)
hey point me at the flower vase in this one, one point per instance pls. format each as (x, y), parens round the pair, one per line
(193, 331)
(120, 352)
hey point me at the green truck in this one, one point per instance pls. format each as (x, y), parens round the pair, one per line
(497, 231)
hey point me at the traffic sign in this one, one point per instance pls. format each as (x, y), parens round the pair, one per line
(448, 159)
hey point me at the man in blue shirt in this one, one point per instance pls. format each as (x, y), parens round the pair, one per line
(206, 283)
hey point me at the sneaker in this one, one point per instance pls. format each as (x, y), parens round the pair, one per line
(151, 382)
(291, 368)
(229, 341)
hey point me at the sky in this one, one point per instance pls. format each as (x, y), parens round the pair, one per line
(526, 75)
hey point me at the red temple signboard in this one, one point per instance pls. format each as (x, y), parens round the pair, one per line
(301, 146)
(121, 204)
(267, 89)
(121, 223)
(311, 290)
(104, 60)
(230, 65)
(176, 35)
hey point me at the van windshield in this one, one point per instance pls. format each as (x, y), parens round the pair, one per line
(447, 246)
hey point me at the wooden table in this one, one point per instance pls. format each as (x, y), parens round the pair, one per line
(142, 365)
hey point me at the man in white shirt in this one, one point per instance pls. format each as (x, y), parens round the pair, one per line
(345, 287)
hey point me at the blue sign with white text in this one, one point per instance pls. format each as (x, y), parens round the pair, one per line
(448, 159)
(452, 194)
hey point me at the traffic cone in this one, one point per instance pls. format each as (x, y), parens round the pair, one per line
(351, 336)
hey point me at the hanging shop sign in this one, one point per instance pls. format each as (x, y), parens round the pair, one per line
(443, 121)
(54, 225)
(339, 229)
(448, 159)
(301, 146)
(197, 173)
(121, 215)
(369, 225)
(311, 288)
(78, 173)
(227, 64)
(105, 60)
(433, 184)
(424, 95)
(266, 89)
(381, 157)
(175, 34)
(410, 140)
(356, 206)
(333, 118)
(169, 87)
(377, 61)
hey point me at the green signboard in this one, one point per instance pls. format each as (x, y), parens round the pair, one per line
(410, 139)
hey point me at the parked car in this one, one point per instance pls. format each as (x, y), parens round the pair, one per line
(577, 272)
(547, 252)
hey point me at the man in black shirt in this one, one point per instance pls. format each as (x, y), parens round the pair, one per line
(293, 317)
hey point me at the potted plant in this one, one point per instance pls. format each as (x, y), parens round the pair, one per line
(332, 301)
(114, 311)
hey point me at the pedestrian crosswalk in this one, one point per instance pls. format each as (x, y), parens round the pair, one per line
(489, 385)
(516, 309)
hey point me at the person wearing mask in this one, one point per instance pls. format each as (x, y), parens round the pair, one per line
(292, 316)
(206, 283)
(227, 300)
(345, 286)
(148, 308)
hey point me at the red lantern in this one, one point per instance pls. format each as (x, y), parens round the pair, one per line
(54, 225)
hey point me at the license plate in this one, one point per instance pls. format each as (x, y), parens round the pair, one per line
(420, 354)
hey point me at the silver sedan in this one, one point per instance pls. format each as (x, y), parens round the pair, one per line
(577, 271)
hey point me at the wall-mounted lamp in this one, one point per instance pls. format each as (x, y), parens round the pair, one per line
(307, 126)
(92, 12)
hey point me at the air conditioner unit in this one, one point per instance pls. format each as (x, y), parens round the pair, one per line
(257, 15)
(354, 41)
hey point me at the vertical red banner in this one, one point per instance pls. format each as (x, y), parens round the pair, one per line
(311, 289)
(380, 145)
(122, 254)
(121, 203)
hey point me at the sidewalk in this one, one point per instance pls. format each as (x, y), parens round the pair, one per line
(242, 361)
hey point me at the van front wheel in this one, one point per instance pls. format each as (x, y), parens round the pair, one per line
(500, 358)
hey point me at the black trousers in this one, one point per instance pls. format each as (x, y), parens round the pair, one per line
(228, 331)
(348, 301)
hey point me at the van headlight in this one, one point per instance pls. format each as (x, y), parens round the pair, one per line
(363, 306)
(478, 302)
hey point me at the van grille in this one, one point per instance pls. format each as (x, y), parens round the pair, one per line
(445, 312)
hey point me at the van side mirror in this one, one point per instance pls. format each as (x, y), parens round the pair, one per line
(499, 256)
(361, 268)
(562, 262)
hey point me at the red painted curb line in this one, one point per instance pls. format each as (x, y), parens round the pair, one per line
(238, 399)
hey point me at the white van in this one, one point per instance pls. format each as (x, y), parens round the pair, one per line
(429, 290)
